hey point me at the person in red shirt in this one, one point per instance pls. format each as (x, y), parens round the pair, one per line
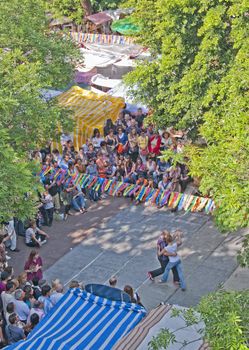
(4, 279)
(154, 144)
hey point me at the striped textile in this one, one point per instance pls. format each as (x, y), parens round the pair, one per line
(132, 340)
(80, 321)
(90, 111)
(80, 37)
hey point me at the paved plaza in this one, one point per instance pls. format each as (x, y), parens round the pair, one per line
(125, 246)
(118, 238)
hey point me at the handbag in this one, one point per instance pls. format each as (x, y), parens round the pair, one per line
(120, 148)
(144, 152)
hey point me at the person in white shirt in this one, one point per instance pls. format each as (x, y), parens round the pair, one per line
(174, 260)
(49, 208)
(11, 236)
(57, 294)
(7, 296)
(37, 309)
(34, 237)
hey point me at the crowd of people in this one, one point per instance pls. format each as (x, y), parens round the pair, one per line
(27, 298)
(127, 151)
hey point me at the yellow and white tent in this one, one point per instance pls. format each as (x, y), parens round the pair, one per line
(90, 111)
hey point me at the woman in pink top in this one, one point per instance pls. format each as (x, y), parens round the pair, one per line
(33, 266)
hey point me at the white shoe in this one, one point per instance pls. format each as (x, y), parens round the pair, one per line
(43, 242)
(8, 257)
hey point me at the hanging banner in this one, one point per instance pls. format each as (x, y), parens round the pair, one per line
(174, 200)
(100, 38)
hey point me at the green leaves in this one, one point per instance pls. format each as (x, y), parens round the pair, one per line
(198, 78)
(16, 183)
(226, 319)
(31, 59)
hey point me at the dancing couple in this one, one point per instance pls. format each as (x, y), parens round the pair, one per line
(169, 259)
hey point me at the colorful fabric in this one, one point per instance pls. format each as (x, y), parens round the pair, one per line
(100, 38)
(174, 200)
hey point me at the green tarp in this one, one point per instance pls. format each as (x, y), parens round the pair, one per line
(125, 26)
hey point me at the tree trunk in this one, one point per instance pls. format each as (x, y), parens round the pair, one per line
(87, 6)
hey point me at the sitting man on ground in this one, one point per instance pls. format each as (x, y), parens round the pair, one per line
(34, 237)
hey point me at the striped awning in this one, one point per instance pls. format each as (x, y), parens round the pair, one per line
(90, 111)
(160, 318)
(80, 321)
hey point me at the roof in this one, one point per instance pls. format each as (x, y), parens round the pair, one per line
(106, 82)
(99, 18)
(81, 320)
(90, 111)
(158, 318)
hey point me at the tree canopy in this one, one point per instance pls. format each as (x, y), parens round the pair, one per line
(226, 320)
(198, 79)
(31, 59)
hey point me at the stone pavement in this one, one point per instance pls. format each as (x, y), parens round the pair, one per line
(123, 243)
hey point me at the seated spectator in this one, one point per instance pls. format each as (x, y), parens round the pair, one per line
(13, 332)
(154, 145)
(78, 200)
(34, 237)
(96, 139)
(122, 140)
(166, 141)
(91, 153)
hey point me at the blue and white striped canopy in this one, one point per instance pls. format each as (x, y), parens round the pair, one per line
(81, 320)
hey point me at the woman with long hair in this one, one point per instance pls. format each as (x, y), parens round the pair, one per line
(33, 266)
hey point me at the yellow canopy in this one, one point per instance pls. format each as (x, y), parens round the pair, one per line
(90, 111)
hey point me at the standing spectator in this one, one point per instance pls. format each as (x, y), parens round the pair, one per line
(11, 236)
(45, 298)
(57, 293)
(140, 117)
(49, 208)
(3, 258)
(21, 307)
(33, 266)
(13, 332)
(7, 295)
(4, 280)
(67, 197)
(37, 309)
(135, 298)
